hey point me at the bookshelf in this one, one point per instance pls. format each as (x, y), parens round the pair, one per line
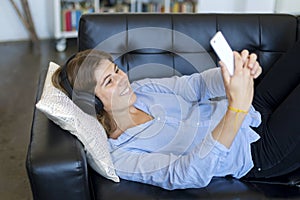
(183, 6)
(66, 18)
(67, 12)
(167, 6)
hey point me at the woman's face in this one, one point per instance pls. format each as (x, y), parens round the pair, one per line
(113, 87)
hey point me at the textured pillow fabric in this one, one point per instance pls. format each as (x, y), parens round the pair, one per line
(59, 108)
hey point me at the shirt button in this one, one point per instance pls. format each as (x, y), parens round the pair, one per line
(158, 118)
(259, 169)
(198, 123)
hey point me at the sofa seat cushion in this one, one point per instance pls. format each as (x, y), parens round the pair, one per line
(219, 188)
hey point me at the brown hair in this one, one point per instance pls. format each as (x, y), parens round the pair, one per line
(85, 80)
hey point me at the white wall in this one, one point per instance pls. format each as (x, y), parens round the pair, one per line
(236, 6)
(288, 6)
(12, 28)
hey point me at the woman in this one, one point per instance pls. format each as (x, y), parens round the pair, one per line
(171, 132)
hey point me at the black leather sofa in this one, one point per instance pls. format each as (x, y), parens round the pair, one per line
(56, 162)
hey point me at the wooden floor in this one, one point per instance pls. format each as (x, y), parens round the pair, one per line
(20, 66)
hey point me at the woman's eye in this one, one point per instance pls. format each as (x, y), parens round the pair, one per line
(117, 70)
(108, 82)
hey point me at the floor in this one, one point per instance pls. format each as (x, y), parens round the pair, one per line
(20, 66)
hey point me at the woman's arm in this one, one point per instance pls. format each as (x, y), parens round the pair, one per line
(170, 171)
(239, 91)
(195, 87)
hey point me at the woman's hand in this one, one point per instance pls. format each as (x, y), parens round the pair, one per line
(239, 90)
(240, 87)
(251, 63)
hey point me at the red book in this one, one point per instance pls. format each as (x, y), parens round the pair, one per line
(68, 20)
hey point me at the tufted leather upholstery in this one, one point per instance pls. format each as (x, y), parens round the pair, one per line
(167, 44)
(267, 35)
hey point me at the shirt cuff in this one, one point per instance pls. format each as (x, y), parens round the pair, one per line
(210, 145)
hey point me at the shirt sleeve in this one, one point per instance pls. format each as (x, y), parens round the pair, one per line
(169, 171)
(195, 87)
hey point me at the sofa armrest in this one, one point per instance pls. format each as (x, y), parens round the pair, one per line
(56, 162)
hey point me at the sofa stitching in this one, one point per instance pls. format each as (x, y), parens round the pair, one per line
(126, 54)
(260, 32)
(80, 166)
(172, 48)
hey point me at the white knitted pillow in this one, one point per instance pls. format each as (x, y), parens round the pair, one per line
(59, 108)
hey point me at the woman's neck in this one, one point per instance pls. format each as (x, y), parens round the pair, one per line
(127, 119)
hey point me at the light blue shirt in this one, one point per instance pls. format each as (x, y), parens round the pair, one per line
(176, 150)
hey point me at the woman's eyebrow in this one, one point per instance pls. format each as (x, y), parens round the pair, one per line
(106, 77)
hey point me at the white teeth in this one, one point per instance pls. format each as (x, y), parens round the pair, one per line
(125, 91)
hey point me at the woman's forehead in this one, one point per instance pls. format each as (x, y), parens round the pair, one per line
(104, 67)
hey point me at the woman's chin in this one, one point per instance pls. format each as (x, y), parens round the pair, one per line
(124, 103)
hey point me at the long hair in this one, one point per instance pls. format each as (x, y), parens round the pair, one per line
(85, 80)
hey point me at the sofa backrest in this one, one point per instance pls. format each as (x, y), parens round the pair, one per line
(179, 43)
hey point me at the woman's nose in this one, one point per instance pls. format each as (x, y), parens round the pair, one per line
(121, 80)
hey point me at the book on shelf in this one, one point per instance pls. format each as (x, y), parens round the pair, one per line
(183, 6)
(176, 6)
(115, 6)
(153, 7)
(71, 13)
